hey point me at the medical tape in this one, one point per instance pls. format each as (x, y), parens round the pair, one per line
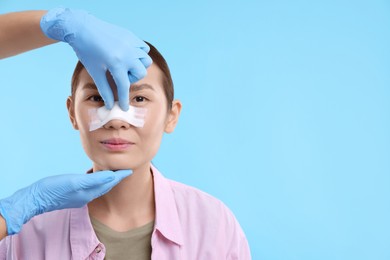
(101, 116)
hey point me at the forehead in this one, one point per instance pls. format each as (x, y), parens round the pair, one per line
(153, 78)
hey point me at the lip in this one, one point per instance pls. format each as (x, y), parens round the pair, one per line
(116, 144)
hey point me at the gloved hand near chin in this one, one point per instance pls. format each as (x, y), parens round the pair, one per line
(54, 193)
(101, 47)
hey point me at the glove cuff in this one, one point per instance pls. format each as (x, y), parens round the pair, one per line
(18, 209)
(13, 227)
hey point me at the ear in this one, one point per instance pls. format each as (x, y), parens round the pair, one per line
(173, 116)
(72, 117)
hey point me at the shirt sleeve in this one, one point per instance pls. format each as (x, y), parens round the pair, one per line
(236, 242)
(243, 251)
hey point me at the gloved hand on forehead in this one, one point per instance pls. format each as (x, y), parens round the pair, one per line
(54, 193)
(101, 46)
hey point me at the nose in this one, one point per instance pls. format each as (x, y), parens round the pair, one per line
(116, 124)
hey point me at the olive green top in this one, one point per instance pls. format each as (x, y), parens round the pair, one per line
(128, 245)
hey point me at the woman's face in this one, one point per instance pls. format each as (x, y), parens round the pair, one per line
(119, 145)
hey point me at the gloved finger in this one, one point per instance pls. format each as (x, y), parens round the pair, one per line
(132, 78)
(104, 88)
(122, 86)
(103, 189)
(145, 47)
(100, 190)
(87, 181)
(136, 42)
(137, 70)
(136, 53)
(147, 61)
(120, 175)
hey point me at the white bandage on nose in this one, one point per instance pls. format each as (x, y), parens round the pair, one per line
(101, 116)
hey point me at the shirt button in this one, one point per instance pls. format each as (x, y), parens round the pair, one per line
(98, 249)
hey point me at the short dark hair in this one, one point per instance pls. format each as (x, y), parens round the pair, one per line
(158, 60)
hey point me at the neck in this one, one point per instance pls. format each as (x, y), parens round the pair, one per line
(129, 204)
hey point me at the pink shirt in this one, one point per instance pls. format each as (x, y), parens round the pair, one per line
(189, 224)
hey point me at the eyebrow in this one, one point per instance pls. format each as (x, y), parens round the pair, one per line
(139, 87)
(90, 86)
(135, 87)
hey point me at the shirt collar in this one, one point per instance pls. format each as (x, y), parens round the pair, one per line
(83, 239)
(82, 236)
(167, 217)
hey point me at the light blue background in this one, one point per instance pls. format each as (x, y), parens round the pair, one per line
(286, 115)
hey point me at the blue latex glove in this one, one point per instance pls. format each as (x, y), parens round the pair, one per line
(54, 193)
(101, 46)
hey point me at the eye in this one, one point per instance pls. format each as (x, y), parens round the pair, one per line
(139, 99)
(96, 98)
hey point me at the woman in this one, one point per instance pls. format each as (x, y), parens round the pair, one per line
(146, 216)
(93, 41)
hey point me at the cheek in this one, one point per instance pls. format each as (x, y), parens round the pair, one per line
(82, 119)
(155, 119)
(153, 129)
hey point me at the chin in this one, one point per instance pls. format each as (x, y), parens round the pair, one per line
(119, 161)
(113, 166)
(115, 163)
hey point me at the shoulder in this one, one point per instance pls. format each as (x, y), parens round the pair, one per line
(193, 202)
(186, 195)
(209, 220)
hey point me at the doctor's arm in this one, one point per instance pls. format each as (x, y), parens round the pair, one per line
(3, 228)
(20, 32)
